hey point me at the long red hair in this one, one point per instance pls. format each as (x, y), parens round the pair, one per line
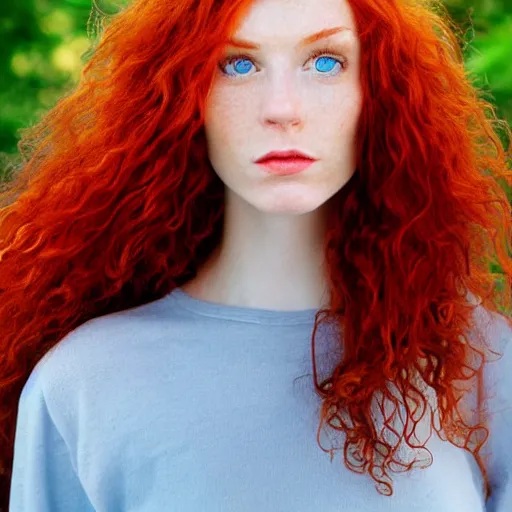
(116, 204)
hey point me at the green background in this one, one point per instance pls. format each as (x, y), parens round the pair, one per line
(45, 44)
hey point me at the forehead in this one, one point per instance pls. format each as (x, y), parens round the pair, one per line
(277, 21)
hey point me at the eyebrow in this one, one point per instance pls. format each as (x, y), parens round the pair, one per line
(310, 39)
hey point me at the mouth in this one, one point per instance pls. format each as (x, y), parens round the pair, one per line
(290, 155)
(285, 166)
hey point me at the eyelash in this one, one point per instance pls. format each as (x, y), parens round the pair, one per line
(321, 52)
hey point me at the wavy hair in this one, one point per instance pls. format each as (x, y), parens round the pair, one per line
(116, 204)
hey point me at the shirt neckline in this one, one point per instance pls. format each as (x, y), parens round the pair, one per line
(241, 313)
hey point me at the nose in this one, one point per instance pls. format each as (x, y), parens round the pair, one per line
(281, 104)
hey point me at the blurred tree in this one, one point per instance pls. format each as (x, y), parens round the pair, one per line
(488, 28)
(46, 44)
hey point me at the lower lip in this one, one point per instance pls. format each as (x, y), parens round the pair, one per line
(286, 166)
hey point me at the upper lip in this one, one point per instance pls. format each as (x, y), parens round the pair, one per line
(291, 153)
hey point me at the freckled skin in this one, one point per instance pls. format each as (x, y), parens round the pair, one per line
(282, 102)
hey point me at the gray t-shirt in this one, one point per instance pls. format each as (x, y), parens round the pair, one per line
(182, 405)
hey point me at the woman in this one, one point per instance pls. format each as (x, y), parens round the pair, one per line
(192, 323)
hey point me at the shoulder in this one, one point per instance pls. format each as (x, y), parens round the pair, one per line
(101, 334)
(492, 334)
(492, 337)
(93, 354)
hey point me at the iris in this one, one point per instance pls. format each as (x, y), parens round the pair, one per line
(325, 64)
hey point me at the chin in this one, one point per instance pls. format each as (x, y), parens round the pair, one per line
(287, 204)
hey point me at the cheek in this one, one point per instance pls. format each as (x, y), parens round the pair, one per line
(338, 108)
(227, 118)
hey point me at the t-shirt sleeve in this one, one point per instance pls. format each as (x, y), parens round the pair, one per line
(43, 476)
(498, 377)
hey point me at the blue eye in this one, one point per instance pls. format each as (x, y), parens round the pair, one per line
(240, 65)
(325, 64)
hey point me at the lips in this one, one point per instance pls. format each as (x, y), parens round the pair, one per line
(285, 155)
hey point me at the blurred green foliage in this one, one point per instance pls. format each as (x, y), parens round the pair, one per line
(46, 44)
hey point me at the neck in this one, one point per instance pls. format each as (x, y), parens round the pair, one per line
(266, 260)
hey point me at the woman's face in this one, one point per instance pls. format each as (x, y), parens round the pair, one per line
(287, 95)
